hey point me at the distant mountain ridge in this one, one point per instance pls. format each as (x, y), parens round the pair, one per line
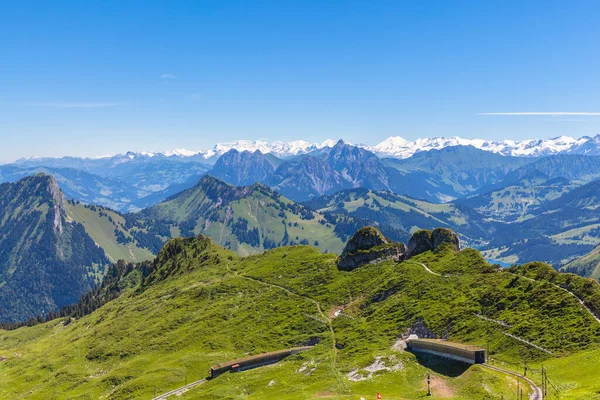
(393, 146)
(42, 232)
(126, 183)
(434, 169)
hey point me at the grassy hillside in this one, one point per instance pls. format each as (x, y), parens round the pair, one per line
(199, 304)
(516, 203)
(560, 231)
(587, 265)
(105, 227)
(399, 216)
(246, 219)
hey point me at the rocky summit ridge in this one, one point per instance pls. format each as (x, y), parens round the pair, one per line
(368, 246)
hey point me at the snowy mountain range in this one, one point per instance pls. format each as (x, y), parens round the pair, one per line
(394, 147)
(398, 147)
(278, 148)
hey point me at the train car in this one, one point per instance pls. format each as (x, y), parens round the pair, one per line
(455, 351)
(254, 361)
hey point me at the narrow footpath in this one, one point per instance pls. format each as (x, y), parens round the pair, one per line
(426, 268)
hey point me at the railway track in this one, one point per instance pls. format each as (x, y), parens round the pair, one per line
(180, 391)
(537, 391)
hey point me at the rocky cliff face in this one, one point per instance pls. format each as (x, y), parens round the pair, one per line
(444, 235)
(243, 168)
(307, 177)
(420, 242)
(426, 240)
(367, 246)
(359, 167)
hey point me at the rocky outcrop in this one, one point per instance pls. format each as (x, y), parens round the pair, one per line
(367, 246)
(426, 240)
(440, 236)
(420, 242)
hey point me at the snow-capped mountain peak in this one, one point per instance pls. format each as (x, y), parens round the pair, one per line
(401, 148)
(182, 153)
(393, 146)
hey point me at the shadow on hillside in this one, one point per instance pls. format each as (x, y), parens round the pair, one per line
(441, 365)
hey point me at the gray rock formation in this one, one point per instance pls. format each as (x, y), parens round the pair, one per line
(426, 240)
(368, 246)
(420, 242)
(445, 235)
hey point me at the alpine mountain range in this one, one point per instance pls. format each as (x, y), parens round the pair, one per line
(251, 196)
(394, 146)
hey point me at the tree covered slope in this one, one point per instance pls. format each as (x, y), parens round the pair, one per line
(47, 260)
(198, 304)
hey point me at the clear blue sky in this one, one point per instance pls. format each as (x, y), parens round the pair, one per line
(98, 77)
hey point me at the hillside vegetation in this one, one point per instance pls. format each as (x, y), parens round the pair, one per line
(198, 304)
(46, 258)
(399, 216)
(587, 265)
(246, 219)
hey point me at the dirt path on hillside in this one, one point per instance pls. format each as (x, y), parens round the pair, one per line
(425, 267)
(334, 349)
(440, 388)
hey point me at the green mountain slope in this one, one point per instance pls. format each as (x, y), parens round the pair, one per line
(246, 219)
(399, 216)
(517, 203)
(199, 304)
(46, 259)
(586, 265)
(52, 250)
(560, 230)
(107, 228)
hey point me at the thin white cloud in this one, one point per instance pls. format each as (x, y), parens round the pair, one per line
(75, 105)
(167, 76)
(553, 113)
(196, 96)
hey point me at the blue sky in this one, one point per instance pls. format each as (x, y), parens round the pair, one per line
(102, 77)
